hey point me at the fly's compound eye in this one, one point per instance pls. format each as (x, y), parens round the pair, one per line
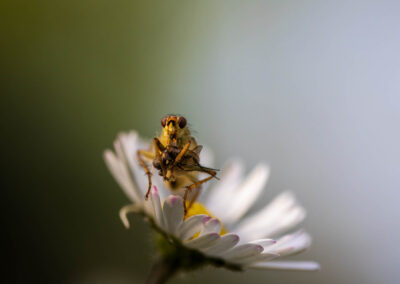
(164, 121)
(182, 122)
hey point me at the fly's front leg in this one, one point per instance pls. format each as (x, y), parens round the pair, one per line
(140, 154)
(212, 174)
(159, 148)
(182, 152)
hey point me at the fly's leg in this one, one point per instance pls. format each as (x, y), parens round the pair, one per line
(140, 154)
(182, 152)
(159, 148)
(168, 174)
(195, 196)
(212, 174)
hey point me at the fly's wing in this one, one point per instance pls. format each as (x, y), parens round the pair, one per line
(190, 167)
(197, 149)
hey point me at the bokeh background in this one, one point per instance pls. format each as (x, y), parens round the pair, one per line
(311, 87)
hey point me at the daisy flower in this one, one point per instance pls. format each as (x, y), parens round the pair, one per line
(218, 230)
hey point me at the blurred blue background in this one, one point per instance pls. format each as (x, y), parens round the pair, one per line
(311, 87)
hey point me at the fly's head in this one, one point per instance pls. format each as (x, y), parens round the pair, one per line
(174, 127)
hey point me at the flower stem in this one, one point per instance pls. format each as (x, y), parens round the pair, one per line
(161, 271)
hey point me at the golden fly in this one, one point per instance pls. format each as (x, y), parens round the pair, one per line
(175, 154)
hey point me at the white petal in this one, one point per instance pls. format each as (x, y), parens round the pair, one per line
(280, 215)
(287, 265)
(264, 242)
(126, 147)
(291, 244)
(173, 213)
(288, 221)
(257, 258)
(207, 160)
(225, 243)
(243, 251)
(192, 225)
(121, 175)
(281, 203)
(203, 242)
(206, 157)
(247, 193)
(157, 210)
(124, 211)
(212, 226)
(220, 195)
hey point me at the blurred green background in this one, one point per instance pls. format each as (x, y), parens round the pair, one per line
(311, 87)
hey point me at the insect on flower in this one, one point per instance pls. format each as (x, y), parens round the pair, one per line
(175, 154)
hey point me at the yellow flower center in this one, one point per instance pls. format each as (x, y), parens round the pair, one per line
(198, 208)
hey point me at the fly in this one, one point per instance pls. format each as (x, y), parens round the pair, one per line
(176, 156)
